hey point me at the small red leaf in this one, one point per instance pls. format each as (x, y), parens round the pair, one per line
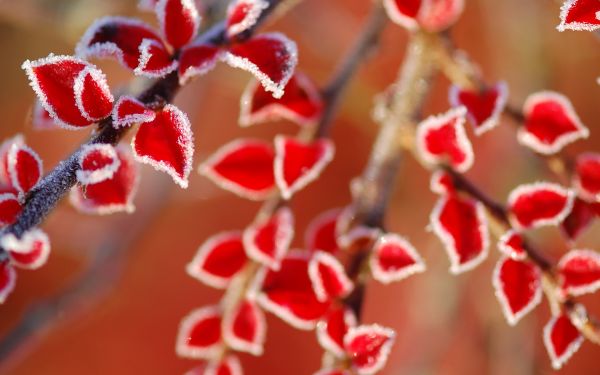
(97, 162)
(298, 163)
(587, 176)
(518, 287)
(442, 139)
(270, 57)
(268, 240)
(539, 204)
(368, 347)
(579, 15)
(4, 150)
(579, 272)
(154, 60)
(196, 60)
(40, 118)
(10, 208)
(288, 293)
(245, 329)
(511, 244)
(550, 123)
(404, 12)
(8, 279)
(230, 365)
(129, 111)
(461, 224)
(24, 167)
(562, 339)
(167, 144)
(579, 219)
(328, 277)
(31, 251)
(243, 14)
(393, 258)
(301, 103)
(218, 260)
(244, 167)
(321, 232)
(484, 106)
(113, 195)
(441, 182)
(431, 15)
(332, 329)
(200, 334)
(73, 91)
(179, 21)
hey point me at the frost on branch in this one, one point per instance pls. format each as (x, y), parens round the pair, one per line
(539, 204)
(219, 259)
(73, 91)
(243, 14)
(393, 258)
(268, 240)
(587, 176)
(484, 106)
(298, 163)
(431, 15)
(442, 139)
(245, 328)
(244, 167)
(550, 123)
(321, 233)
(167, 144)
(511, 244)
(301, 103)
(197, 59)
(328, 277)
(579, 272)
(97, 163)
(31, 251)
(579, 15)
(368, 347)
(332, 329)
(200, 334)
(179, 21)
(128, 111)
(24, 168)
(8, 278)
(562, 339)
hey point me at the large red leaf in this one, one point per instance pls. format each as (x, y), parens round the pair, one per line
(24, 167)
(579, 272)
(562, 339)
(200, 334)
(484, 106)
(579, 15)
(368, 347)
(179, 21)
(539, 204)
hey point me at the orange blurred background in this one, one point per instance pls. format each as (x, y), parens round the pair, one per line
(123, 318)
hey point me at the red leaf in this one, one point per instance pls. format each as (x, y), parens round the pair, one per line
(8, 279)
(298, 163)
(368, 347)
(4, 150)
(442, 139)
(579, 219)
(245, 329)
(270, 57)
(511, 245)
(404, 12)
(484, 106)
(97, 162)
(219, 259)
(441, 182)
(129, 111)
(244, 167)
(518, 286)
(461, 224)
(328, 277)
(155, 61)
(268, 240)
(167, 144)
(31, 251)
(113, 195)
(562, 339)
(40, 118)
(550, 123)
(10, 208)
(301, 103)
(179, 21)
(243, 14)
(321, 232)
(200, 334)
(24, 167)
(332, 329)
(393, 258)
(431, 15)
(579, 272)
(579, 15)
(288, 293)
(230, 365)
(539, 204)
(587, 176)
(197, 59)
(73, 91)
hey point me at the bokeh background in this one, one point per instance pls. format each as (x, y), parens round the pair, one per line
(114, 290)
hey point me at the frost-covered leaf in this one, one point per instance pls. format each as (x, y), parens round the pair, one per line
(511, 244)
(518, 287)
(321, 233)
(550, 123)
(587, 176)
(461, 225)
(97, 162)
(41, 119)
(270, 57)
(442, 139)
(299, 163)
(245, 329)
(579, 219)
(431, 15)
(8, 279)
(580, 15)
(179, 21)
(243, 14)
(368, 347)
(197, 59)
(219, 259)
(24, 167)
(31, 251)
(484, 106)
(268, 240)
(5, 147)
(539, 204)
(10, 208)
(393, 258)
(167, 144)
(328, 277)
(200, 333)
(128, 111)
(562, 339)
(441, 182)
(154, 61)
(301, 103)
(579, 272)
(73, 91)
(332, 329)
(244, 167)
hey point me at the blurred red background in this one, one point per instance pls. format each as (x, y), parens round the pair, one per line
(124, 320)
